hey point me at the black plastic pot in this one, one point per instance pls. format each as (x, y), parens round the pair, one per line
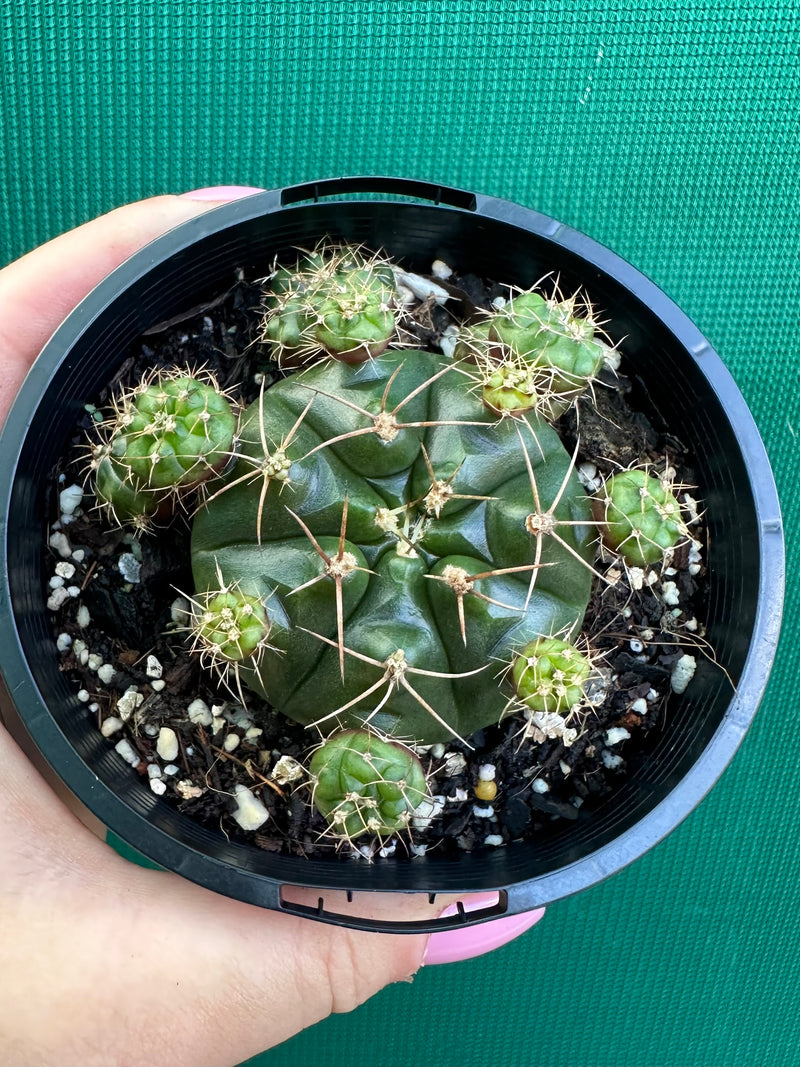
(682, 384)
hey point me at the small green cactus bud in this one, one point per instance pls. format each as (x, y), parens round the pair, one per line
(337, 301)
(551, 337)
(642, 517)
(510, 386)
(550, 674)
(364, 784)
(231, 625)
(167, 435)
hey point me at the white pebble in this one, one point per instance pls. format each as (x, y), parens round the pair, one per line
(57, 599)
(231, 742)
(418, 850)
(636, 645)
(56, 582)
(60, 544)
(69, 499)
(129, 702)
(670, 594)
(128, 752)
(94, 707)
(482, 813)
(493, 840)
(636, 577)
(110, 726)
(691, 624)
(454, 764)
(83, 656)
(83, 618)
(158, 684)
(682, 673)
(159, 786)
(151, 730)
(458, 797)
(63, 641)
(539, 785)
(187, 790)
(486, 772)
(388, 850)
(153, 770)
(565, 768)
(129, 567)
(167, 744)
(153, 668)
(287, 769)
(427, 810)
(437, 750)
(74, 590)
(64, 569)
(250, 812)
(83, 696)
(180, 610)
(171, 769)
(79, 555)
(253, 733)
(95, 661)
(422, 288)
(616, 734)
(611, 760)
(440, 269)
(639, 706)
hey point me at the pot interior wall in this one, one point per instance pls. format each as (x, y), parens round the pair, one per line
(670, 386)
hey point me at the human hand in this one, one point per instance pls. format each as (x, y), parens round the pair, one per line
(105, 962)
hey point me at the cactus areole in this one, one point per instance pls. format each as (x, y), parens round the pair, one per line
(404, 540)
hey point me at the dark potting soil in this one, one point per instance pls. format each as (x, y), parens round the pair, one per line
(115, 602)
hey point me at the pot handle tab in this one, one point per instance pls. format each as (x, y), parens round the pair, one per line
(405, 187)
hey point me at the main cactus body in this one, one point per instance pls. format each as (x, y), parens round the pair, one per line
(396, 487)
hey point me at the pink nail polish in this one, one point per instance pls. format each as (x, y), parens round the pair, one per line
(452, 946)
(222, 192)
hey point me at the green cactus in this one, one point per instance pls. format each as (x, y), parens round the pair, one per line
(165, 437)
(642, 518)
(337, 301)
(364, 784)
(535, 353)
(411, 542)
(550, 674)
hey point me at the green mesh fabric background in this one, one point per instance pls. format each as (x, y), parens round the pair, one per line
(668, 131)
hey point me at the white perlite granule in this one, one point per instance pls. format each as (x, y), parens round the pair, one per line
(250, 812)
(682, 673)
(200, 713)
(287, 769)
(129, 702)
(616, 734)
(129, 567)
(128, 752)
(167, 743)
(69, 500)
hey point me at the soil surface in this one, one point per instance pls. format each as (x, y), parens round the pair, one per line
(115, 603)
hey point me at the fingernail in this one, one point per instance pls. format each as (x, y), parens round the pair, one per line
(452, 946)
(222, 192)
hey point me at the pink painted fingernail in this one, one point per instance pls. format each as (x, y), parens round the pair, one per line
(451, 946)
(222, 192)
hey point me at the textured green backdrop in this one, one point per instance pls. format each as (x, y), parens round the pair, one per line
(669, 131)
